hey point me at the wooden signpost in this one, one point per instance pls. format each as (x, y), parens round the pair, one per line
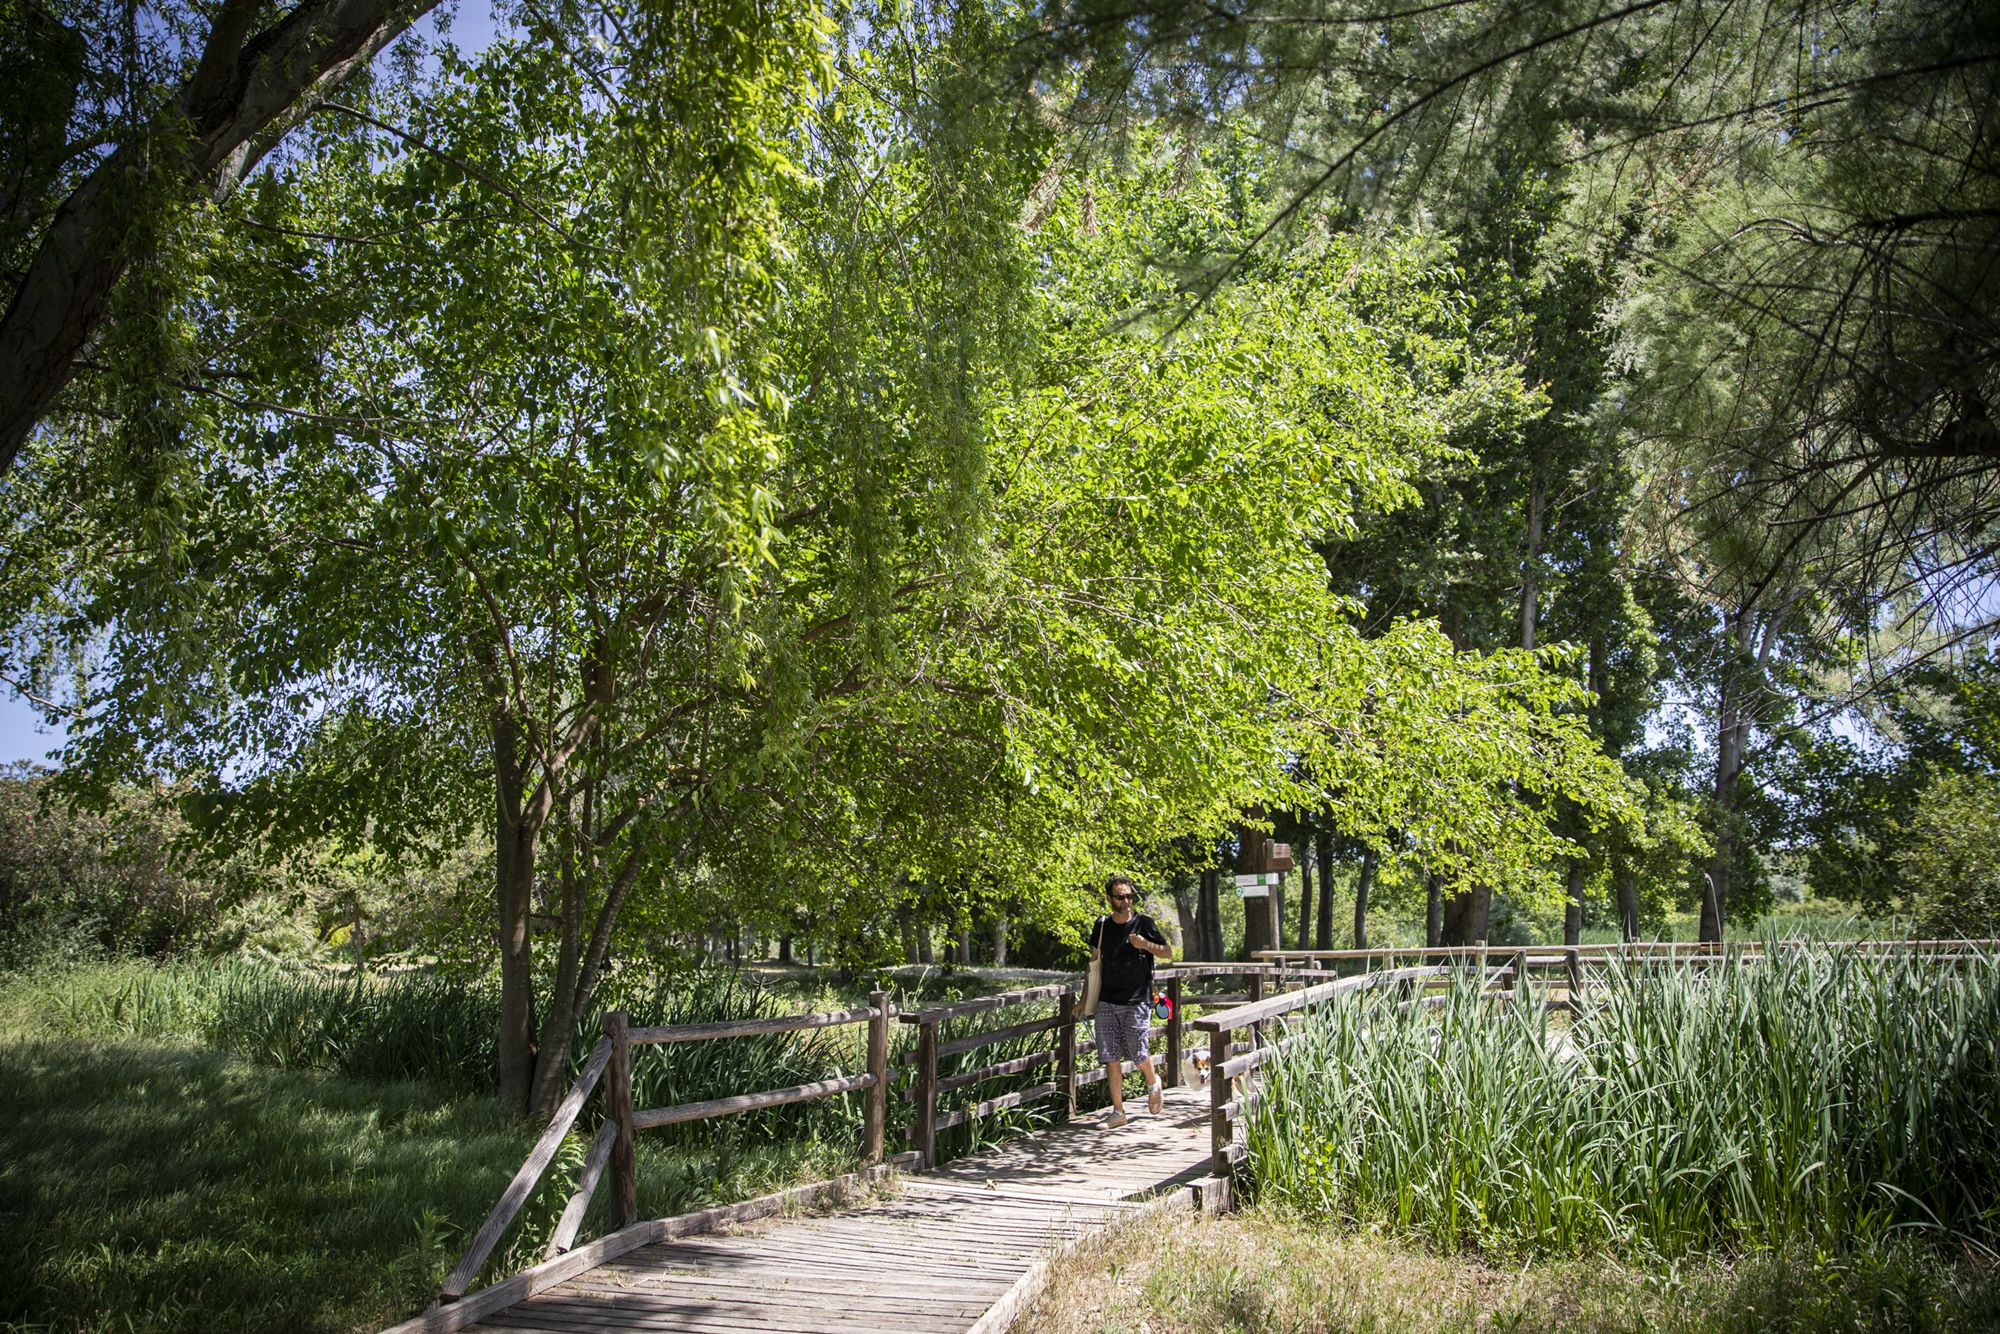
(1260, 880)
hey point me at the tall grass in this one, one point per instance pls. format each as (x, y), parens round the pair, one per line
(418, 1025)
(1822, 1099)
(384, 1028)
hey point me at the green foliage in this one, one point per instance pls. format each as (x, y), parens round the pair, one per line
(78, 883)
(1950, 856)
(1822, 1099)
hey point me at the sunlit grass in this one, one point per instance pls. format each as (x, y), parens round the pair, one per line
(1824, 1100)
(1272, 1272)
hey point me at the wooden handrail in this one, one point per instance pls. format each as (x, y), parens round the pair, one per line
(523, 1184)
(612, 1146)
(1257, 1012)
(750, 1028)
(748, 1102)
(999, 1001)
(1604, 948)
(586, 1185)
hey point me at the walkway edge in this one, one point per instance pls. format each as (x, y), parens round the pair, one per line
(1001, 1315)
(474, 1306)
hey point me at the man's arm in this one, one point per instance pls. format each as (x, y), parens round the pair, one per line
(1149, 938)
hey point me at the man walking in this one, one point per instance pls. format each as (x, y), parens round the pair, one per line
(1126, 943)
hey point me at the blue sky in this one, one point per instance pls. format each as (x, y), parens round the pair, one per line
(21, 737)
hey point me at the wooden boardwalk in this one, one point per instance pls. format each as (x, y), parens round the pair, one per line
(950, 1249)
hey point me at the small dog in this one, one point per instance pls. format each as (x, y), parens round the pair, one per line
(1200, 1061)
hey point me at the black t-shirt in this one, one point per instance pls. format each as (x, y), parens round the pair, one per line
(1127, 973)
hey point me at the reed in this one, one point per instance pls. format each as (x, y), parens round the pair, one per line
(1823, 1099)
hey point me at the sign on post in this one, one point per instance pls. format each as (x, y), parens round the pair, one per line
(1255, 886)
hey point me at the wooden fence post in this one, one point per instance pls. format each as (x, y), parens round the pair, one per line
(1219, 1133)
(875, 1111)
(1066, 1050)
(1256, 994)
(1173, 1033)
(618, 1103)
(1573, 962)
(924, 1140)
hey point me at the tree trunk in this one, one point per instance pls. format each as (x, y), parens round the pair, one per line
(784, 949)
(244, 93)
(1323, 930)
(965, 944)
(1211, 916)
(906, 922)
(1362, 885)
(1466, 914)
(1755, 635)
(924, 954)
(1531, 567)
(1731, 730)
(1000, 941)
(1305, 898)
(513, 892)
(1573, 904)
(1433, 910)
(1628, 900)
(1190, 920)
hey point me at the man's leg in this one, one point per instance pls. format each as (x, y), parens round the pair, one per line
(1114, 1079)
(1155, 1095)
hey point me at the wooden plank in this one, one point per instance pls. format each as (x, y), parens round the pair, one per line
(875, 1110)
(983, 1004)
(442, 1319)
(1260, 1011)
(696, 1315)
(586, 1185)
(523, 1184)
(766, 1206)
(619, 1308)
(1066, 1049)
(923, 1134)
(992, 1105)
(917, 1287)
(975, 1041)
(748, 1102)
(1002, 1314)
(618, 1103)
(834, 1259)
(750, 1028)
(1013, 1067)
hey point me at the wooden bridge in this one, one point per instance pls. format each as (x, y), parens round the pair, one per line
(910, 1243)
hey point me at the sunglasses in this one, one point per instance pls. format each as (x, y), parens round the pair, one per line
(1121, 898)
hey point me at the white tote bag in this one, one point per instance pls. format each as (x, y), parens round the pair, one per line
(1093, 980)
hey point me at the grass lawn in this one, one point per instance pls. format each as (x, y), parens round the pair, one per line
(156, 1187)
(1267, 1271)
(164, 1188)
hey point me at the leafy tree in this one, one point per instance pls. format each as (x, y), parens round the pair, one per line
(122, 130)
(1950, 856)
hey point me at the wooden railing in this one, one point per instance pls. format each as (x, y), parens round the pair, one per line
(1280, 982)
(1229, 1060)
(613, 1147)
(1071, 1072)
(1676, 951)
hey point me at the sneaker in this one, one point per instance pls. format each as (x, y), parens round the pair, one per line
(1115, 1119)
(1155, 1098)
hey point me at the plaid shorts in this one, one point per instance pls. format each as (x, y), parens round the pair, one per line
(1122, 1031)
